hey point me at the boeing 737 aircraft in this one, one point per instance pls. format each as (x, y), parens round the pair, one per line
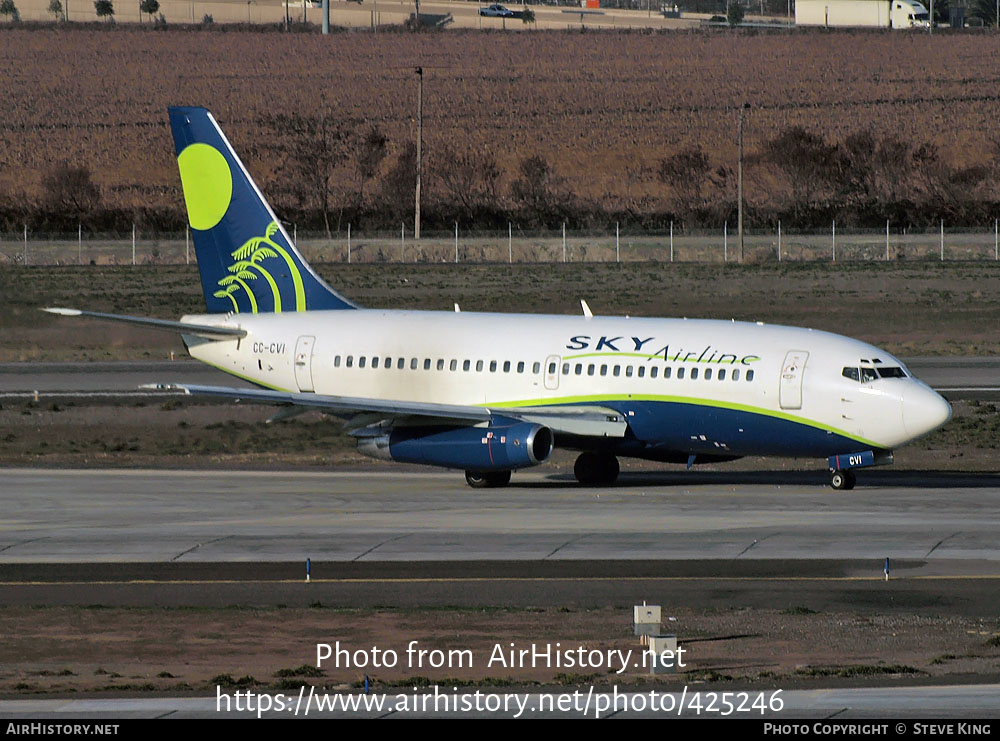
(494, 393)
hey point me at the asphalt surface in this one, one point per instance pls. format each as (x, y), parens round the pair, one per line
(833, 709)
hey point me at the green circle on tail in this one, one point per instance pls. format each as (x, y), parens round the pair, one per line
(207, 183)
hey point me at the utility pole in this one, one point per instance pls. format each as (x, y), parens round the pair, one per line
(739, 184)
(420, 137)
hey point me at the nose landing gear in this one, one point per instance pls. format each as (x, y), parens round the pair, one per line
(843, 480)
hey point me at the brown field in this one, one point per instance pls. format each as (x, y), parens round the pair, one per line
(603, 108)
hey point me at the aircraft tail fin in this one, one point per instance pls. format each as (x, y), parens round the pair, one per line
(246, 258)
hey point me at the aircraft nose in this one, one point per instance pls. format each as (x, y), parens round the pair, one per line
(924, 410)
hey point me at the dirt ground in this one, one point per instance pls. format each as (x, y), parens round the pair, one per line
(104, 650)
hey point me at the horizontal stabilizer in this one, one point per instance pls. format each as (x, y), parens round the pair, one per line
(200, 330)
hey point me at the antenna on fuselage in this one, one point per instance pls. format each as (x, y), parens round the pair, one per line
(586, 309)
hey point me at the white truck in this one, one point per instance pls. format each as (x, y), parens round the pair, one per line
(881, 13)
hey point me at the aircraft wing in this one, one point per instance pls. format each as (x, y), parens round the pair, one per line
(574, 420)
(199, 330)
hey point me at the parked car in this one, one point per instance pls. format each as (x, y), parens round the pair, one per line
(496, 11)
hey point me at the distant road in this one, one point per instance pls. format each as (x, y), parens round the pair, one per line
(955, 377)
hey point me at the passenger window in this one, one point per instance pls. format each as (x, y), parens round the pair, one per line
(722, 374)
(736, 374)
(400, 364)
(427, 363)
(375, 361)
(336, 362)
(680, 372)
(361, 361)
(617, 371)
(590, 369)
(641, 371)
(387, 364)
(466, 365)
(520, 366)
(440, 364)
(479, 366)
(565, 370)
(628, 371)
(694, 373)
(413, 363)
(749, 375)
(851, 373)
(708, 374)
(604, 370)
(579, 369)
(656, 369)
(506, 366)
(493, 366)
(350, 361)
(667, 371)
(453, 365)
(536, 368)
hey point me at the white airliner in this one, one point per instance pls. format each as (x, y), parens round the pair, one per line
(493, 393)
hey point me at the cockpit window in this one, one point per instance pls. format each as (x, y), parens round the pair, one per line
(891, 372)
(851, 373)
(868, 375)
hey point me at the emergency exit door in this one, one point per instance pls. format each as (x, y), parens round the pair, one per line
(792, 371)
(303, 363)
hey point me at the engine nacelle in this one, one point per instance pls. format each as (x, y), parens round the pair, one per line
(493, 448)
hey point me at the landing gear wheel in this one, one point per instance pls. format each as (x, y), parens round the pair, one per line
(596, 469)
(842, 480)
(487, 479)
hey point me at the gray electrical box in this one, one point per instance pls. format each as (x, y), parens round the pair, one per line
(646, 619)
(661, 657)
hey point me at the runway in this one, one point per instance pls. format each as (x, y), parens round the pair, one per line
(78, 516)
(954, 377)
(832, 706)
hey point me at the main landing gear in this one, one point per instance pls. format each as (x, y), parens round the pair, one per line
(842, 480)
(487, 479)
(596, 469)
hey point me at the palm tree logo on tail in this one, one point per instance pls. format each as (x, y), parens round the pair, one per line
(248, 266)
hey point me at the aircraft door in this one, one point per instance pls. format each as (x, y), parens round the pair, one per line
(303, 363)
(790, 388)
(551, 372)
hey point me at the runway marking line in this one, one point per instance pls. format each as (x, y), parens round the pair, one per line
(475, 579)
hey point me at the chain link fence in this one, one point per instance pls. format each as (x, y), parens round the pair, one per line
(514, 245)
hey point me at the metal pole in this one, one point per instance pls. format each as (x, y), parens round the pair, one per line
(835, 240)
(420, 138)
(671, 241)
(510, 240)
(326, 17)
(402, 240)
(618, 254)
(996, 240)
(456, 241)
(564, 241)
(725, 241)
(779, 240)
(133, 243)
(348, 244)
(295, 235)
(187, 245)
(887, 240)
(79, 243)
(739, 184)
(25, 244)
(942, 224)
